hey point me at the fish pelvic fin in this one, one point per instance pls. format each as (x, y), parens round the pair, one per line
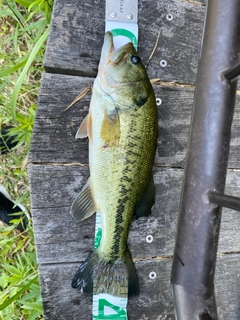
(85, 129)
(117, 278)
(145, 205)
(83, 206)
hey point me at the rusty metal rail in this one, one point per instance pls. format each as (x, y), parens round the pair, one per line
(203, 196)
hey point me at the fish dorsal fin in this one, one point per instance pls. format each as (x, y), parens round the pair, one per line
(83, 206)
(144, 206)
(83, 129)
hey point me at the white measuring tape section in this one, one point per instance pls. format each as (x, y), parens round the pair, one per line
(121, 20)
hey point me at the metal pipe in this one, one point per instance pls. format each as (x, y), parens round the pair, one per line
(224, 200)
(231, 73)
(195, 251)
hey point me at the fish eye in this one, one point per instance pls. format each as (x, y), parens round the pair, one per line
(135, 59)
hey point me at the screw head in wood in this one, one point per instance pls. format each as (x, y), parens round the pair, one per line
(158, 101)
(149, 238)
(163, 63)
(169, 17)
(152, 275)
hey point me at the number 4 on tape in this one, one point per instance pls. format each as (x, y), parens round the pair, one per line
(106, 307)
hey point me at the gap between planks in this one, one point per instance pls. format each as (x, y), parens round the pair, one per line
(59, 164)
(171, 256)
(78, 164)
(193, 2)
(154, 81)
(67, 164)
(135, 260)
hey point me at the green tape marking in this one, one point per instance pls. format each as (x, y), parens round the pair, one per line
(98, 231)
(125, 33)
(106, 306)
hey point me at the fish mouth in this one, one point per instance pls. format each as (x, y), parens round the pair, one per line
(110, 53)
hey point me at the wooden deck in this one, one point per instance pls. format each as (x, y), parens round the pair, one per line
(58, 164)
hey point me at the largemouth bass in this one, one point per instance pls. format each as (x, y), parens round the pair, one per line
(122, 129)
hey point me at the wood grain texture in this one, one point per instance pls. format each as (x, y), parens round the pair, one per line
(61, 239)
(77, 31)
(60, 301)
(54, 130)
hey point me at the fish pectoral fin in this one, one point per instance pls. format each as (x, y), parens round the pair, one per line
(83, 129)
(83, 206)
(144, 206)
(110, 130)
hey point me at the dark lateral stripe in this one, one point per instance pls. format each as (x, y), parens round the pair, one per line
(132, 156)
(119, 229)
(125, 178)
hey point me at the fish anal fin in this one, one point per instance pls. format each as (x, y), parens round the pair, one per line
(144, 206)
(83, 206)
(110, 130)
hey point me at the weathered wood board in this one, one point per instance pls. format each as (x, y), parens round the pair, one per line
(58, 164)
(153, 303)
(78, 27)
(55, 129)
(53, 188)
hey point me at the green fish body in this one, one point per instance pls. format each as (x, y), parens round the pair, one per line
(122, 129)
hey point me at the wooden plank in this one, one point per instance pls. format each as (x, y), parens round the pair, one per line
(60, 301)
(54, 130)
(61, 239)
(77, 31)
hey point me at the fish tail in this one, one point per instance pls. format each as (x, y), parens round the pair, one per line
(118, 278)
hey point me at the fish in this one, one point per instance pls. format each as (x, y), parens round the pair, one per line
(121, 126)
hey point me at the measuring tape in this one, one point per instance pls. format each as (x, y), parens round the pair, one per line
(121, 20)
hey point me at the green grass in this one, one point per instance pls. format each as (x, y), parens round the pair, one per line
(24, 28)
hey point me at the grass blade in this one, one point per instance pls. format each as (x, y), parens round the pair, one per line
(18, 294)
(16, 12)
(24, 3)
(20, 80)
(14, 68)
